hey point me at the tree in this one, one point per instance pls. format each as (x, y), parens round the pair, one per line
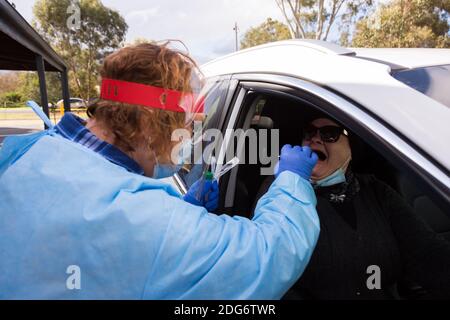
(407, 24)
(268, 31)
(13, 97)
(29, 88)
(10, 99)
(9, 81)
(315, 18)
(82, 32)
(139, 40)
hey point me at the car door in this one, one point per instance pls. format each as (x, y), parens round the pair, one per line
(432, 179)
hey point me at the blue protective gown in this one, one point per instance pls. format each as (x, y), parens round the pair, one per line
(132, 237)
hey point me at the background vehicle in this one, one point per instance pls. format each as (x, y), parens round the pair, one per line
(74, 103)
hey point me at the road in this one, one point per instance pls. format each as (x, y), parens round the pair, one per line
(11, 131)
(23, 120)
(10, 127)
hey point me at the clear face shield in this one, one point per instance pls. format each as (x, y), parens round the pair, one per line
(189, 103)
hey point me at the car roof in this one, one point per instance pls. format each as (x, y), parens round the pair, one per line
(363, 75)
(408, 58)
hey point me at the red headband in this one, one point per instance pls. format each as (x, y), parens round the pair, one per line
(149, 96)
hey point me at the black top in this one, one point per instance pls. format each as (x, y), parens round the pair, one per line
(347, 212)
(376, 228)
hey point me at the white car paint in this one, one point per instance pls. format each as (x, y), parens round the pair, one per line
(418, 117)
(407, 57)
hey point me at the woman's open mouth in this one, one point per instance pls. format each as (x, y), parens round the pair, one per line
(322, 156)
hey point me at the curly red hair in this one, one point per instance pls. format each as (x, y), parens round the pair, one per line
(132, 125)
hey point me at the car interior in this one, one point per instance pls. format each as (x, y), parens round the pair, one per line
(265, 111)
(271, 111)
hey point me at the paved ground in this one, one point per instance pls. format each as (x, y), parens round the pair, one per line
(22, 121)
(10, 131)
(9, 127)
(6, 131)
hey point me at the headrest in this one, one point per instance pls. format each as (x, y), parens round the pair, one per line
(262, 122)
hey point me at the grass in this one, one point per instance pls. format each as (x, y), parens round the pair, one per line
(11, 106)
(20, 115)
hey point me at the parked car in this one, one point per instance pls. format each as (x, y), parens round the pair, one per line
(397, 101)
(74, 103)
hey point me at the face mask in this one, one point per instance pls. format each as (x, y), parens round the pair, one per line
(335, 178)
(161, 171)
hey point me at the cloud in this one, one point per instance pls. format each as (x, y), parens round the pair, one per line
(205, 26)
(224, 47)
(142, 16)
(182, 15)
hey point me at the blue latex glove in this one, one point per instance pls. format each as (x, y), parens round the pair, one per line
(208, 197)
(300, 160)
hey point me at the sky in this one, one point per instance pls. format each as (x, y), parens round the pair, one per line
(206, 27)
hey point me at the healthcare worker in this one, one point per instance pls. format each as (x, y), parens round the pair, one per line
(83, 215)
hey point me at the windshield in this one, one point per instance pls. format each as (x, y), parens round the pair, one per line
(432, 81)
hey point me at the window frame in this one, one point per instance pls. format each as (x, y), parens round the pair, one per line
(228, 95)
(377, 133)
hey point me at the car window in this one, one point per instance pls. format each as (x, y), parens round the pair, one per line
(397, 194)
(431, 81)
(287, 115)
(215, 92)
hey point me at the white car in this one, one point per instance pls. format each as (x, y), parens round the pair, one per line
(396, 102)
(74, 103)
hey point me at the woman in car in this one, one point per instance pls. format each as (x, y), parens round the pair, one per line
(370, 240)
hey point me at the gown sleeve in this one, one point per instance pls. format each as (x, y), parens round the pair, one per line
(205, 256)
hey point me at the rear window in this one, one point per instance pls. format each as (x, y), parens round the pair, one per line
(432, 81)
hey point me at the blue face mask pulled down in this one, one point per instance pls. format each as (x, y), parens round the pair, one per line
(335, 178)
(161, 171)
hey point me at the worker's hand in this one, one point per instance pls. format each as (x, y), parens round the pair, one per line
(207, 197)
(300, 160)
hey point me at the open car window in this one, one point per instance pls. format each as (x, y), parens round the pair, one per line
(286, 114)
(215, 93)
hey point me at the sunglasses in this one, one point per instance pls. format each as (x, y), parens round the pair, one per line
(328, 134)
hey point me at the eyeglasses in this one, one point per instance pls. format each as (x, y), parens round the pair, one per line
(328, 134)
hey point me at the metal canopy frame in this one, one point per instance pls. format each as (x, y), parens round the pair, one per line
(22, 48)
